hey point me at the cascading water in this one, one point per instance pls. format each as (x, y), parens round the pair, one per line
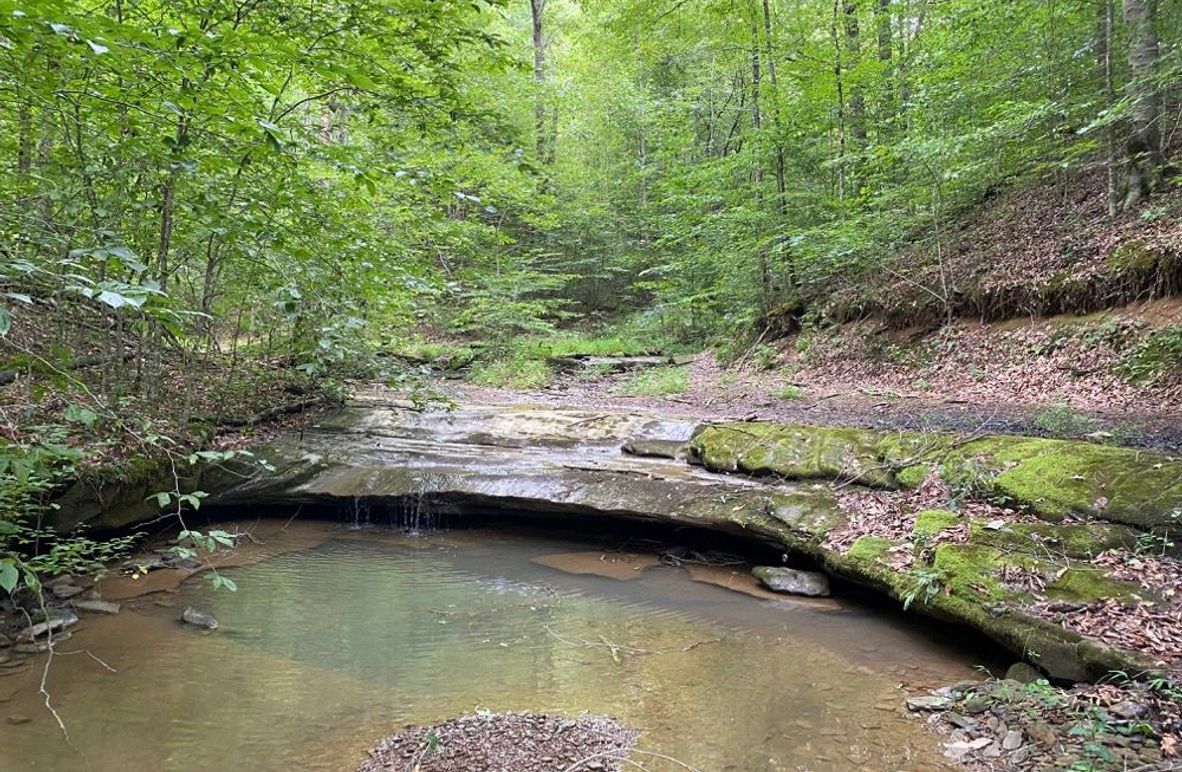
(416, 516)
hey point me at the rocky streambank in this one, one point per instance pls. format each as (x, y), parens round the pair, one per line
(1059, 551)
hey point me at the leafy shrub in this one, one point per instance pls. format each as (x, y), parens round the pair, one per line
(608, 345)
(658, 382)
(789, 391)
(515, 372)
(29, 475)
(1063, 422)
(1158, 353)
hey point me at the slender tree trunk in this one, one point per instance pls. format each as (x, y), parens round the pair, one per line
(757, 155)
(769, 55)
(882, 18)
(853, 46)
(1104, 61)
(537, 9)
(882, 22)
(756, 114)
(837, 76)
(24, 156)
(1144, 143)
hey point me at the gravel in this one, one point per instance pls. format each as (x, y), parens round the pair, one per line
(506, 742)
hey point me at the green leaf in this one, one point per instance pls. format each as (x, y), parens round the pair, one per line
(9, 576)
(78, 414)
(5, 321)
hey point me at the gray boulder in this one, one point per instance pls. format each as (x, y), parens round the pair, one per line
(192, 616)
(792, 581)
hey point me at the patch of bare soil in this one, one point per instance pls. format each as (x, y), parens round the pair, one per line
(506, 742)
(1047, 377)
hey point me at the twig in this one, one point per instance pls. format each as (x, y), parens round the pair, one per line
(693, 646)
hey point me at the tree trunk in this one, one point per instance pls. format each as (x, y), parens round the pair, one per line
(886, 98)
(853, 46)
(537, 8)
(882, 18)
(1144, 143)
(837, 75)
(1104, 63)
(769, 48)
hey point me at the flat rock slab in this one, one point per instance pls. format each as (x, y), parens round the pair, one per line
(522, 742)
(96, 606)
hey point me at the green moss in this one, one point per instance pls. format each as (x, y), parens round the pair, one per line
(930, 522)
(1056, 478)
(1073, 541)
(869, 549)
(1086, 585)
(912, 476)
(972, 570)
(793, 452)
(1130, 256)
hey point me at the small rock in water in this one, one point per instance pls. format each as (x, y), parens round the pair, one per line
(791, 581)
(928, 702)
(58, 620)
(17, 718)
(1023, 673)
(97, 606)
(40, 647)
(5, 641)
(64, 591)
(192, 616)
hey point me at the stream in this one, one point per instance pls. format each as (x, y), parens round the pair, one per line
(337, 636)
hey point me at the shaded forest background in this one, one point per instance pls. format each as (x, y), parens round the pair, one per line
(216, 205)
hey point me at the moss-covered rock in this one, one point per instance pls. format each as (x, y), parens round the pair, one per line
(1086, 585)
(1056, 478)
(931, 522)
(971, 571)
(1054, 540)
(793, 452)
(870, 549)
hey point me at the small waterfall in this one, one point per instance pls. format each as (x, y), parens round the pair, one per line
(416, 514)
(361, 515)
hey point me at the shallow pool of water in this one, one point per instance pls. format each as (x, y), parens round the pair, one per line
(326, 649)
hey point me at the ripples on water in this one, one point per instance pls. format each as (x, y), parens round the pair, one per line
(323, 651)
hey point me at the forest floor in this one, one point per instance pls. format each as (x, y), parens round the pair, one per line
(1051, 377)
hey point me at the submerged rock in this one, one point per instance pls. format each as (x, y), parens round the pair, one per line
(792, 581)
(192, 616)
(96, 606)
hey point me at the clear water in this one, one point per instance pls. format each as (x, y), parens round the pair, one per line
(324, 650)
